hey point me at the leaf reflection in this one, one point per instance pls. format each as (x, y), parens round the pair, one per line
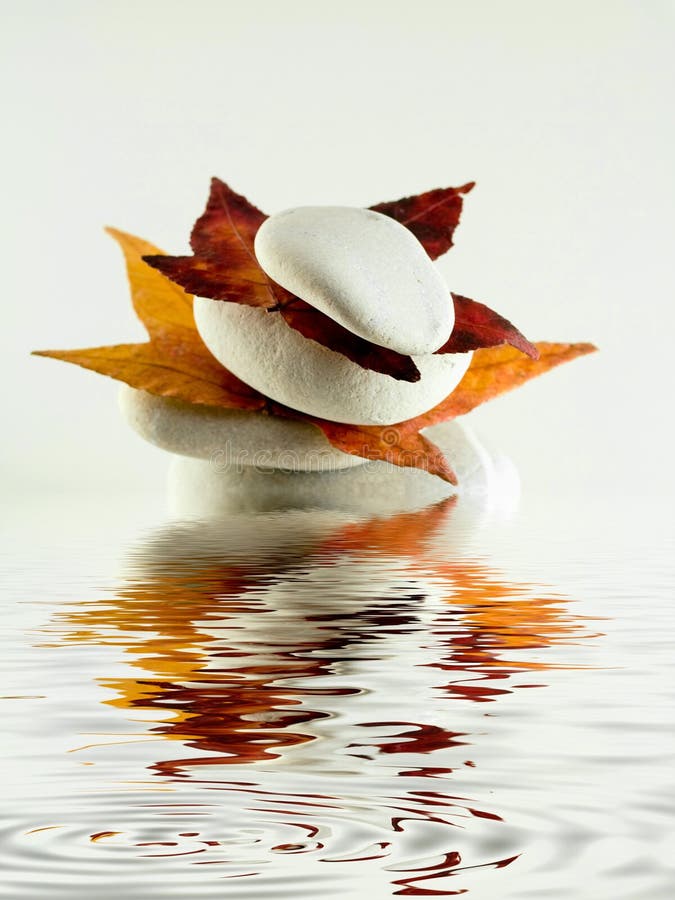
(250, 637)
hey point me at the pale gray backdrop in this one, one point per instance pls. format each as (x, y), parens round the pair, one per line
(562, 112)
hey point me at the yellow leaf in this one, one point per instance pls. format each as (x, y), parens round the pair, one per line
(175, 362)
(159, 303)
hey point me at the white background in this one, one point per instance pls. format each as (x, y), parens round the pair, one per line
(118, 113)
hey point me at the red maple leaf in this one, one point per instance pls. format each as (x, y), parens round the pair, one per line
(224, 267)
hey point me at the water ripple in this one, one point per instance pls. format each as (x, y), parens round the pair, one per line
(303, 705)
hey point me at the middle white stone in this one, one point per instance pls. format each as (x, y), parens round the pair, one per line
(275, 359)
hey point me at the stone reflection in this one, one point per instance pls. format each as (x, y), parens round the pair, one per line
(259, 636)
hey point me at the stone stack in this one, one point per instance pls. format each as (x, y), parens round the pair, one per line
(364, 270)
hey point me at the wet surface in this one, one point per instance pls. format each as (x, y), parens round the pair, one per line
(311, 704)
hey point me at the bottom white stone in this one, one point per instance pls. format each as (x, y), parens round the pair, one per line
(229, 437)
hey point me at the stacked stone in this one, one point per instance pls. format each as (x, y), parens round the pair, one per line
(364, 270)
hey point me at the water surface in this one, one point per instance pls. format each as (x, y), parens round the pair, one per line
(310, 703)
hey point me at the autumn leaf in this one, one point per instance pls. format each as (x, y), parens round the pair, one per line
(495, 371)
(224, 267)
(168, 369)
(175, 362)
(402, 445)
(432, 217)
(315, 325)
(492, 372)
(158, 303)
(477, 326)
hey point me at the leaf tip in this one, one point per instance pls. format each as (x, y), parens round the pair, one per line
(449, 475)
(439, 466)
(155, 260)
(217, 187)
(575, 350)
(121, 237)
(436, 463)
(49, 354)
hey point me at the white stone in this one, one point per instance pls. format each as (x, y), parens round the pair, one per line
(363, 269)
(231, 438)
(266, 353)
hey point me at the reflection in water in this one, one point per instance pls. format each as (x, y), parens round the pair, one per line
(308, 672)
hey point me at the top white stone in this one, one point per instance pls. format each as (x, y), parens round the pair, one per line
(363, 269)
